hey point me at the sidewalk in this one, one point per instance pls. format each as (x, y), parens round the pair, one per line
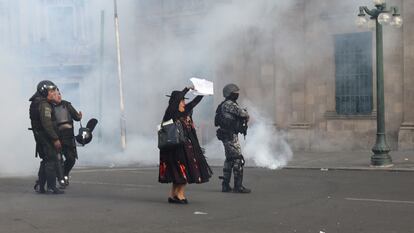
(353, 160)
(359, 160)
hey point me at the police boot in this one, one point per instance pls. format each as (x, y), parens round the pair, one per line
(62, 184)
(241, 189)
(225, 185)
(238, 187)
(39, 188)
(59, 171)
(54, 190)
(66, 178)
(51, 178)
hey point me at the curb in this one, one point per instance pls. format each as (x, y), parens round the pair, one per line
(392, 169)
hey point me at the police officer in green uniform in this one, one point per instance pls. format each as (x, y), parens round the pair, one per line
(45, 133)
(65, 114)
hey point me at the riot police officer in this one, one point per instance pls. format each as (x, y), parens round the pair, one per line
(65, 114)
(45, 132)
(232, 120)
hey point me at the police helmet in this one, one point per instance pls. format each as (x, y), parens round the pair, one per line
(230, 88)
(85, 133)
(44, 86)
(84, 136)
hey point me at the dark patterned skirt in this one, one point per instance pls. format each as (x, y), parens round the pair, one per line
(184, 164)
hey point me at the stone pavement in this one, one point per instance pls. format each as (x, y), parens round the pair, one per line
(130, 200)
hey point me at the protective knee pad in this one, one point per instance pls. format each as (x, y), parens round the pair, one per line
(238, 168)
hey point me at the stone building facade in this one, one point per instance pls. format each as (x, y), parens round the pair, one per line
(299, 71)
(303, 64)
(311, 115)
(50, 39)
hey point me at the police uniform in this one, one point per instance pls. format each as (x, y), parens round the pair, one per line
(231, 120)
(45, 133)
(65, 114)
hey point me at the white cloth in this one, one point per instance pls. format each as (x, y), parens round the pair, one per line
(202, 86)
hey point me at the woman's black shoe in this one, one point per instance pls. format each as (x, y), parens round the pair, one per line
(176, 200)
(180, 201)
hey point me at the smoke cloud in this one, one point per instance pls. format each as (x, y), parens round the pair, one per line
(159, 54)
(266, 146)
(166, 60)
(16, 142)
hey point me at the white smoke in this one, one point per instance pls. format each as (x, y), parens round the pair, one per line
(141, 151)
(156, 60)
(265, 145)
(154, 66)
(16, 141)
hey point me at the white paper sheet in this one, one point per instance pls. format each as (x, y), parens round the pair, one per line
(202, 86)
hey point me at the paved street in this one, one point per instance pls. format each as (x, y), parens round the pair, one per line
(290, 200)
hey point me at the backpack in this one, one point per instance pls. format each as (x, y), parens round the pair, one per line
(218, 118)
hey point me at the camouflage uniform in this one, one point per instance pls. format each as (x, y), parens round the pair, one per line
(230, 115)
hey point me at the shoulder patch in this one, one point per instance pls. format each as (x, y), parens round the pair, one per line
(48, 112)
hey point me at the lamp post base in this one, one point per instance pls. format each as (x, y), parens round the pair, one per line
(381, 160)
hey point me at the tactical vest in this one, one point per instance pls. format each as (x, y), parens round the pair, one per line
(62, 114)
(223, 120)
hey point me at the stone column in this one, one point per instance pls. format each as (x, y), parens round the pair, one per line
(299, 128)
(406, 132)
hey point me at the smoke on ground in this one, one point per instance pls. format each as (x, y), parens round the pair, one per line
(266, 145)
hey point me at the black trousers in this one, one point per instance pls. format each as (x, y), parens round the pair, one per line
(70, 153)
(48, 166)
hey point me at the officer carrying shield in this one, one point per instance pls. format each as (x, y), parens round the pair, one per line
(65, 115)
(232, 120)
(45, 133)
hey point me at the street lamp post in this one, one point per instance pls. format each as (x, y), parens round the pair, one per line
(382, 16)
(121, 92)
